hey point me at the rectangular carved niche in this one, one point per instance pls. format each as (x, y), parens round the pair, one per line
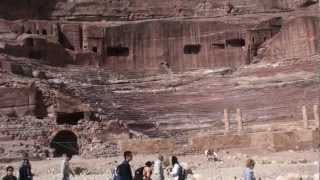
(192, 49)
(117, 51)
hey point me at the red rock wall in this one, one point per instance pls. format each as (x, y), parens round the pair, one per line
(137, 9)
(151, 44)
(41, 49)
(278, 141)
(20, 9)
(94, 39)
(146, 146)
(140, 9)
(19, 101)
(297, 39)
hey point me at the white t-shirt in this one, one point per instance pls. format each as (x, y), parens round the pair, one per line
(175, 171)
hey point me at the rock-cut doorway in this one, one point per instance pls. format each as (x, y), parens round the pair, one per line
(65, 142)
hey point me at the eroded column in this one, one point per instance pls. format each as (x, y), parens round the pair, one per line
(316, 115)
(304, 117)
(226, 120)
(239, 119)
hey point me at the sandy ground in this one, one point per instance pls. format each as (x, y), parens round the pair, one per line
(269, 165)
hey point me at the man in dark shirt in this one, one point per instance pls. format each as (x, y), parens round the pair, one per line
(124, 169)
(25, 170)
(9, 175)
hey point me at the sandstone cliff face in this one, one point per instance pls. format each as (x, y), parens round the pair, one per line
(304, 31)
(140, 9)
(97, 84)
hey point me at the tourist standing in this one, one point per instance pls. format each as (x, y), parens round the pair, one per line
(248, 172)
(9, 175)
(147, 171)
(66, 170)
(158, 169)
(124, 169)
(25, 170)
(177, 172)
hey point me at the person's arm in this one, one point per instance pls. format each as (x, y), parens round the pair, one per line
(30, 174)
(71, 170)
(20, 173)
(149, 172)
(252, 176)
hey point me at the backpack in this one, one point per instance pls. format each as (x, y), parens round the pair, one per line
(138, 174)
(115, 174)
(182, 173)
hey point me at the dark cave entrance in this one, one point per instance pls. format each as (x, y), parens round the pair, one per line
(95, 49)
(65, 142)
(69, 118)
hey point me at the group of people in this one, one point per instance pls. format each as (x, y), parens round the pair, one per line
(211, 155)
(24, 171)
(151, 170)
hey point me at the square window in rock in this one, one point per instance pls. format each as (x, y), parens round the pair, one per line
(236, 42)
(95, 49)
(218, 46)
(117, 51)
(69, 118)
(44, 32)
(192, 49)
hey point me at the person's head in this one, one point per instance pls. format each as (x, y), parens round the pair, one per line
(127, 155)
(148, 164)
(160, 157)
(174, 160)
(25, 162)
(66, 157)
(250, 163)
(25, 159)
(25, 156)
(10, 170)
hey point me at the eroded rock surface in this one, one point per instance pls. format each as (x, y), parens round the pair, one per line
(160, 74)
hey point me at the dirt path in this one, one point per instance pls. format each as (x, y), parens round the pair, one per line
(268, 165)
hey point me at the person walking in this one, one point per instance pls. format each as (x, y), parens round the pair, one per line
(124, 169)
(25, 170)
(158, 169)
(248, 171)
(66, 170)
(147, 171)
(177, 172)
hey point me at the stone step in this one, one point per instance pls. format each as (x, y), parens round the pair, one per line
(5, 138)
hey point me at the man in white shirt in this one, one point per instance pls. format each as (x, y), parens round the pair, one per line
(158, 169)
(177, 172)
